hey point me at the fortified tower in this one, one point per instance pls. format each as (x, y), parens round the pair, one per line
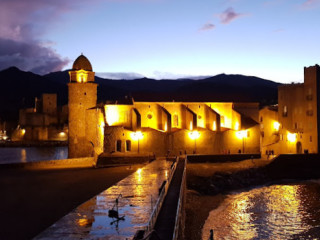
(82, 96)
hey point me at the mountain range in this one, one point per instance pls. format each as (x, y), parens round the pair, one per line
(19, 88)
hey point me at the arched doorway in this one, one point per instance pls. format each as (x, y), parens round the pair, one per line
(299, 148)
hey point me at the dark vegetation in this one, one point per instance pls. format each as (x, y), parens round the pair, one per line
(19, 88)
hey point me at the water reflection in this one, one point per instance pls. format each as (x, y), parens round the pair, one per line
(32, 154)
(290, 211)
(23, 155)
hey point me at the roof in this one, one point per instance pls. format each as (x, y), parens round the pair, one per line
(82, 63)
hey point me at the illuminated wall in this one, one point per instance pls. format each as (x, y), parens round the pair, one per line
(119, 115)
(212, 119)
(242, 141)
(95, 126)
(270, 130)
(225, 110)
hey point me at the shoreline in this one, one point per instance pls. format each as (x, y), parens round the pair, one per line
(197, 211)
(12, 144)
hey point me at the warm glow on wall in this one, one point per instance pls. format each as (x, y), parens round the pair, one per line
(242, 134)
(191, 126)
(292, 137)
(214, 126)
(112, 115)
(62, 134)
(101, 126)
(166, 127)
(236, 126)
(82, 76)
(276, 126)
(137, 135)
(194, 135)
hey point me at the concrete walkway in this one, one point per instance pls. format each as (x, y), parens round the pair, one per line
(165, 223)
(136, 196)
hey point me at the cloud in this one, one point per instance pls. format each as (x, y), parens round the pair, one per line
(207, 26)
(308, 4)
(169, 75)
(29, 57)
(229, 15)
(119, 75)
(22, 24)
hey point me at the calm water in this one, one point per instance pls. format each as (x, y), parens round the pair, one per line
(289, 211)
(32, 154)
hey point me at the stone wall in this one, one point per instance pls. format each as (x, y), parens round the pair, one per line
(82, 96)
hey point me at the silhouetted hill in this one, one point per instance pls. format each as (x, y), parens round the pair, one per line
(19, 89)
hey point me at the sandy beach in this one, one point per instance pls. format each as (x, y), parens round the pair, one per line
(32, 200)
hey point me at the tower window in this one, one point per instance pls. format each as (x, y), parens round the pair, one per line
(285, 111)
(118, 145)
(128, 145)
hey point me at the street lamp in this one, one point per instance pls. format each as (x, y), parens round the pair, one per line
(194, 135)
(137, 136)
(242, 135)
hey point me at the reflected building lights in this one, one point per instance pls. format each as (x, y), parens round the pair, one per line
(273, 212)
(23, 155)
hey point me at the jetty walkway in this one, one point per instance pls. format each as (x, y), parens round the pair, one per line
(128, 209)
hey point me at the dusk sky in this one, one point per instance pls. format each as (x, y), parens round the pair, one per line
(272, 39)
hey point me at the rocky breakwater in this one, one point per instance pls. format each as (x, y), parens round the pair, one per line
(217, 179)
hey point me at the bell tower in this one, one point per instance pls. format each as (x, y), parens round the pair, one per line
(82, 94)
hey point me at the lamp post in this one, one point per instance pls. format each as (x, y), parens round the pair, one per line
(194, 135)
(242, 135)
(137, 136)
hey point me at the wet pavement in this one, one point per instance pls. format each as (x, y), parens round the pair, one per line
(137, 195)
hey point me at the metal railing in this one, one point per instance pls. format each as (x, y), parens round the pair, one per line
(180, 203)
(162, 195)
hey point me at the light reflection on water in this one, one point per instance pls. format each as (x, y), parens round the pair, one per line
(290, 211)
(32, 154)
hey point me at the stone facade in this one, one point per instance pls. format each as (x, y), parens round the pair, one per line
(43, 122)
(167, 128)
(295, 116)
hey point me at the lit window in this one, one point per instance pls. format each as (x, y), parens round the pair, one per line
(285, 111)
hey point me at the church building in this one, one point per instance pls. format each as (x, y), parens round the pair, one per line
(158, 128)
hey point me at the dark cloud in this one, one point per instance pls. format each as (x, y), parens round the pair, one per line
(22, 25)
(207, 26)
(29, 57)
(229, 15)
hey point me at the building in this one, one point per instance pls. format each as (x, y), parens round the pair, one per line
(293, 126)
(159, 128)
(45, 121)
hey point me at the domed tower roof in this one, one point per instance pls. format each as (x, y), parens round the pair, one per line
(82, 63)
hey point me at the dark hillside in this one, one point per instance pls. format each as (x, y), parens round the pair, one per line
(19, 88)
